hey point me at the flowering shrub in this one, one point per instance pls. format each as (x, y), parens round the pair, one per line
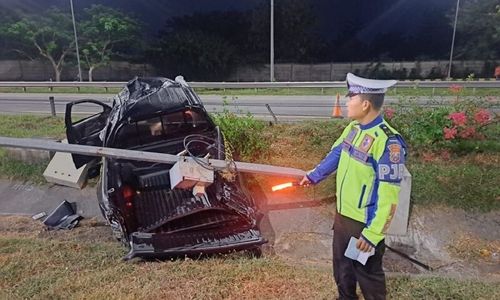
(455, 88)
(449, 133)
(389, 113)
(467, 127)
(458, 118)
(461, 126)
(482, 117)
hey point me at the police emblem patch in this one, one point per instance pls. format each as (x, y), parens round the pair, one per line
(366, 143)
(394, 153)
(351, 135)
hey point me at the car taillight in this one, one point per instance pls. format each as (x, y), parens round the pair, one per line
(128, 195)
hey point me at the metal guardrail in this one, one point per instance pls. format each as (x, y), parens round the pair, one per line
(244, 85)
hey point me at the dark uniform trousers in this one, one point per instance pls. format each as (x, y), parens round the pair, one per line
(347, 272)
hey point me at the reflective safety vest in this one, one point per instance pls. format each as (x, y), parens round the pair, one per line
(369, 161)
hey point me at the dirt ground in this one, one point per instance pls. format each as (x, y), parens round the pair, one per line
(453, 242)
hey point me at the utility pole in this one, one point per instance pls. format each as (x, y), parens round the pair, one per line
(272, 41)
(76, 41)
(453, 40)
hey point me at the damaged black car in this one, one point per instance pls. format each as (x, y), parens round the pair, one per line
(136, 198)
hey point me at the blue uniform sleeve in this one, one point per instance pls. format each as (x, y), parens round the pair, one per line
(327, 166)
(391, 163)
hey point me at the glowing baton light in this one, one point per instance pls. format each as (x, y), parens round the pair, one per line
(284, 186)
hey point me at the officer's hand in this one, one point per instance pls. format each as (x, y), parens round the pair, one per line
(363, 245)
(305, 181)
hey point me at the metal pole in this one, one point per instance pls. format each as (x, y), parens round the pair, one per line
(272, 113)
(52, 106)
(453, 40)
(147, 156)
(76, 41)
(272, 41)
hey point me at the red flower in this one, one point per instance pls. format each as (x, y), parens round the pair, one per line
(445, 155)
(468, 132)
(428, 156)
(458, 118)
(389, 112)
(455, 88)
(449, 133)
(482, 116)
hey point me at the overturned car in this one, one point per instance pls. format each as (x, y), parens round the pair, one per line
(144, 211)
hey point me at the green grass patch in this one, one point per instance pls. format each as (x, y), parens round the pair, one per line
(440, 288)
(17, 170)
(271, 91)
(31, 126)
(50, 268)
(342, 91)
(43, 268)
(61, 90)
(469, 183)
(27, 126)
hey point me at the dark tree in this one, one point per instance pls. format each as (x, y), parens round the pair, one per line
(48, 35)
(478, 30)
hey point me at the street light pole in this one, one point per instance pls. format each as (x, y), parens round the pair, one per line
(272, 41)
(76, 41)
(453, 40)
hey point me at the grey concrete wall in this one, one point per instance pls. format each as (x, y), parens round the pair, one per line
(338, 71)
(13, 70)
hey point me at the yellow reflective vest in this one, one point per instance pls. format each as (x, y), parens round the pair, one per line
(369, 161)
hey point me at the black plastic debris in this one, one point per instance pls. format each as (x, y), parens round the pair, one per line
(63, 217)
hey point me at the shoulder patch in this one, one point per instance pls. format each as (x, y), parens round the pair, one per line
(394, 152)
(386, 130)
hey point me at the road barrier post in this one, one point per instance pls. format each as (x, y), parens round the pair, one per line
(52, 106)
(271, 112)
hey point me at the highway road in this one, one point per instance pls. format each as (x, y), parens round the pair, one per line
(284, 107)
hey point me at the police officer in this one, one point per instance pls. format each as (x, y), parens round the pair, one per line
(369, 160)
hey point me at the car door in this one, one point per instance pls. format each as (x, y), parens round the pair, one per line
(85, 131)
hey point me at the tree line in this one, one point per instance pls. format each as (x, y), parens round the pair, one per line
(209, 45)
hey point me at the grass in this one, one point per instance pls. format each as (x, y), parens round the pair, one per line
(469, 182)
(30, 126)
(17, 170)
(83, 90)
(27, 126)
(342, 91)
(272, 91)
(472, 248)
(78, 265)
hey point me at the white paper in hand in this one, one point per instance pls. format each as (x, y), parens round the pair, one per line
(355, 254)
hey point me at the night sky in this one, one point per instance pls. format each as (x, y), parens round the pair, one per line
(371, 16)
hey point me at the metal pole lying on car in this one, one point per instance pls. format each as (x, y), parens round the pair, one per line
(147, 156)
